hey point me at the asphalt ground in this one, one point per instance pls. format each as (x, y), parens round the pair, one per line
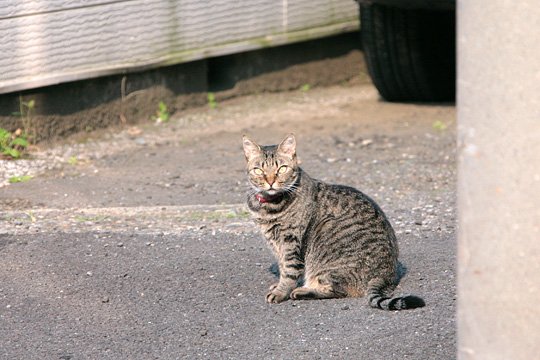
(145, 250)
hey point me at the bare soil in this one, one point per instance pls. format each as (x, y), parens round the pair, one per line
(345, 134)
(55, 117)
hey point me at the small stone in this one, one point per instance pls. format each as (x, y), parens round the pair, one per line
(120, 244)
(345, 307)
(140, 141)
(89, 273)
(366, 142)
(203, 332)
(105, 299)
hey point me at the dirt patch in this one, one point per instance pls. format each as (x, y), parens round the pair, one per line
(324, 72)
(133, 99)
(345, 135)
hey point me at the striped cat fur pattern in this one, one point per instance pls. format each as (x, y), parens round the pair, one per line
(330, 241)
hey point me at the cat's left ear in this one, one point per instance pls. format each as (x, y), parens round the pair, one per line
(251, 149)
(288, 146)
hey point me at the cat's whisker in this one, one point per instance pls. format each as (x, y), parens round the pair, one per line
(293, 190)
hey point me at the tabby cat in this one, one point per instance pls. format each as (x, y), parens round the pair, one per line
(330, 241)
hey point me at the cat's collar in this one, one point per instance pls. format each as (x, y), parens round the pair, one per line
(269, 198)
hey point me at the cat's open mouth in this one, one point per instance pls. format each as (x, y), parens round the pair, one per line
(269, 196)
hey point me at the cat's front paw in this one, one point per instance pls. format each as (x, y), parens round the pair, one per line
(275, 296)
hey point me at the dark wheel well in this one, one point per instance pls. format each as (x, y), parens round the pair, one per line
(410, 53)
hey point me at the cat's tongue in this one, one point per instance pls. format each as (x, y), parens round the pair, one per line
(268, 198)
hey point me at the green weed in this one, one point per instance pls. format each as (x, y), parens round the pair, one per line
(305, 87)
(31, 215)
(439, 125)
(73, 160)
(212, 100)
(95, 219)
(18, 179)
(216, 215)
(26, 110)
(12, 144)
(162, 113)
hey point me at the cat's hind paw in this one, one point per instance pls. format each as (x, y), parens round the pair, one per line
(302, 293)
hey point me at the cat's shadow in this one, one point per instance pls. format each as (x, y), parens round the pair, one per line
(401, 270)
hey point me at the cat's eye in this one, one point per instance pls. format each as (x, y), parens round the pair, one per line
(258, 171)
(282, 169)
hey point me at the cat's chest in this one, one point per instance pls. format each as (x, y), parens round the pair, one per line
(277, 233)
(286, 226)
(271, 232)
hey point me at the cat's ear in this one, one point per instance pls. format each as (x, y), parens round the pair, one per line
(251, 149)
(288, 146)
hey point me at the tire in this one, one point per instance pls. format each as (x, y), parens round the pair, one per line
(410, 54)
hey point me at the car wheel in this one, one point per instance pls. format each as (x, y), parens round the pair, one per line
(411, 54)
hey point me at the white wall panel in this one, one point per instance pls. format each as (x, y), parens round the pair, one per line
(48, 42)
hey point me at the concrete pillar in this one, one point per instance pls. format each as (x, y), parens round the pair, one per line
(499, 179)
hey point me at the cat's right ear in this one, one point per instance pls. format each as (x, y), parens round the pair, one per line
(251, 149)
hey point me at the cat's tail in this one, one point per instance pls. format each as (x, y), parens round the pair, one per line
(378, 300)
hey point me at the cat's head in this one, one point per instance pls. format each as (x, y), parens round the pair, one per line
(271, 169)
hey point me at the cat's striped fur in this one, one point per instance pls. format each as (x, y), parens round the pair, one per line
(330, 241)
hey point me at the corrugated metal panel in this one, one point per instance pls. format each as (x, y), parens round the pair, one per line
(10, 8)
(47, 42)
